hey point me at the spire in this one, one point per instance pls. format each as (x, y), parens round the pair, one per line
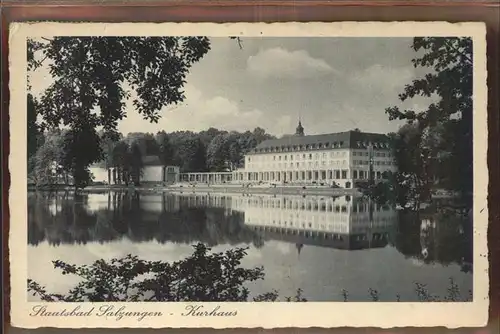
(299, 131)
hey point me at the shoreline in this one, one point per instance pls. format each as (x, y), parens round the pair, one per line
(230, 189)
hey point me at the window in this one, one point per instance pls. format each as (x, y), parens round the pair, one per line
(279, 157)
(354, 174)
(324, 155)
(310, 156)
(285, 157)
(291, 157)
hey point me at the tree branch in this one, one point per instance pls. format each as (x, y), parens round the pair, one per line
(447, 42)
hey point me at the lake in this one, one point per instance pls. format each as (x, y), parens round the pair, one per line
(322, 245)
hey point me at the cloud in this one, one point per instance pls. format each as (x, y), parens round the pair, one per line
(200, 112)
(383, 78)
(281, 63)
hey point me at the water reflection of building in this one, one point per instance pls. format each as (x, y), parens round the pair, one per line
(341, 222)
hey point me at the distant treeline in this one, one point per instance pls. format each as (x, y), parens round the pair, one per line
(209, 150)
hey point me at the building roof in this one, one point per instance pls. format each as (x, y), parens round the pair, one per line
(349, 139)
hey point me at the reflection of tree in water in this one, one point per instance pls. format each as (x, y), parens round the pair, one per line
(59, 217)
(125, 216)
(444, 238)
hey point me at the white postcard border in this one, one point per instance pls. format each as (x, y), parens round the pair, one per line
(249, 314)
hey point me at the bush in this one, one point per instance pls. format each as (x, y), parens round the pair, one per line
(201, 277)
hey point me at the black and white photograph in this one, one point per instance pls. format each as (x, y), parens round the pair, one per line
(249, 168)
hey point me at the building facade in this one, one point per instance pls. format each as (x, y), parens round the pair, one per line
(152, 172)
(338, 159)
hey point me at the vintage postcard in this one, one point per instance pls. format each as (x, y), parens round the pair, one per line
(248, 175)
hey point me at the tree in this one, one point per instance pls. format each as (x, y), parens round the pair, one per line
(135, 164)
(449, 61)
(34, 135)
(94, 76)
(208, 135)
(108, 142)
(218, 153)
(120, 160)
(204, 276)
(166, 150)
(235, 155)
(189, 151)
(48, 160)
(81, 148)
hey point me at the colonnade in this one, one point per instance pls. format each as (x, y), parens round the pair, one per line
(293, 176)
(214, 177)
(308, 176)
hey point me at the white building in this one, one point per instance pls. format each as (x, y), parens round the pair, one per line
(153, 171)
(335, 159)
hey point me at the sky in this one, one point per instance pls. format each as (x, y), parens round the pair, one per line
(331, 84)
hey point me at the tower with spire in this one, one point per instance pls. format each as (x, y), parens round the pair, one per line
(299, 131)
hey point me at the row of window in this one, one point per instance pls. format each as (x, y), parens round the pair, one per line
(298, 164)
(313, 175)
(287, 148)
(338, 224)
(375, 154)
(376, 163)
(291, 157)
(339, 144)
(310, 164)
(310, 156)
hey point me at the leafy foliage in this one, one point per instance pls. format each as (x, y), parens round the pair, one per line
(439, 138)
(166, 150)
(203, 276)
(93, 78)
